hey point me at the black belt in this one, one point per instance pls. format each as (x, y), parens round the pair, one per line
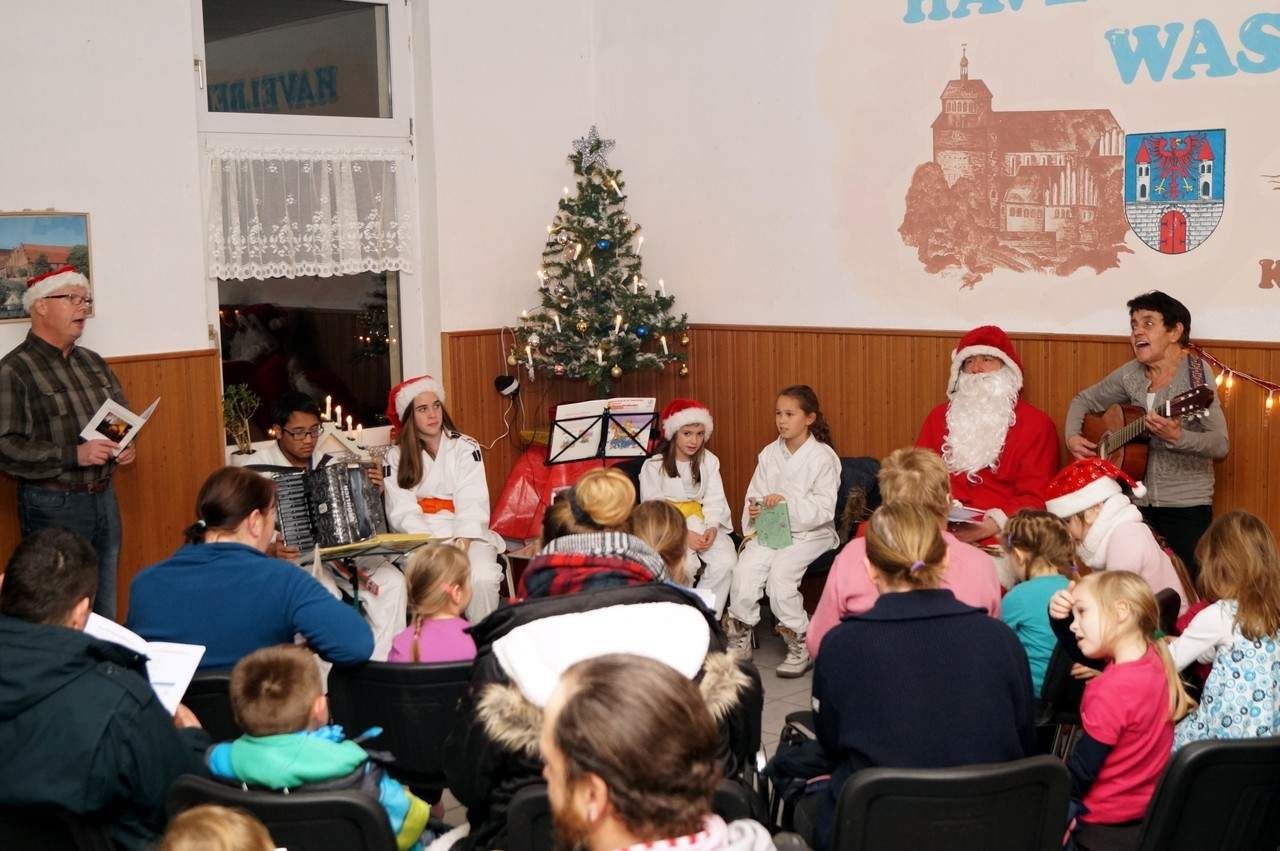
(96, 486)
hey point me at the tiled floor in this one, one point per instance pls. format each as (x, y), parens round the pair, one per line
(781, 698)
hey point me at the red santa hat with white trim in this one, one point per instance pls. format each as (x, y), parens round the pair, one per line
(683, 412)
(1085, 483)
(402, 396)
(985, 340)
(43, 286)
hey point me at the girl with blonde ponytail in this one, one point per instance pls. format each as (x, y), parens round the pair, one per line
(1128, 711)
(920, 679)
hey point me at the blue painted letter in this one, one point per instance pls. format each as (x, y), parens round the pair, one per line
(1144, 46)
(1255, 37)
(1206, 49)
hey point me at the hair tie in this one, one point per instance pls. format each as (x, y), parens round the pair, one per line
(201, 523)
(578, 514)
(917, 566)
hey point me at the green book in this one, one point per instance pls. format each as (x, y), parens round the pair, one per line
(773, 527)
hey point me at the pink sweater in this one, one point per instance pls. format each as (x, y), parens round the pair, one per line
(970, 575)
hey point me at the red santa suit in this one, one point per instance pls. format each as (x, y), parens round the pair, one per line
(1029, 456)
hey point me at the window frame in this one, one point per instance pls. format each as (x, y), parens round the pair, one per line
(400, 66)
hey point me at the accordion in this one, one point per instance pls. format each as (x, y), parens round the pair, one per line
(330, 505)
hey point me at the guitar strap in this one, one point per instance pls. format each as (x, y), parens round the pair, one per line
(1195, 369)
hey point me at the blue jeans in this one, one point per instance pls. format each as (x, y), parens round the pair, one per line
(95, 516)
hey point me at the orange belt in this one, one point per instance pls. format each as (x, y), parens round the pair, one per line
(434, 505)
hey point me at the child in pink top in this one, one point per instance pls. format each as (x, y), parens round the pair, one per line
(1128, 711)
(920, 477)
(438, 584)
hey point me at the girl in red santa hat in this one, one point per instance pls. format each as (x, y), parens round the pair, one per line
(437, 486)
(1108, 528)
(687, 474)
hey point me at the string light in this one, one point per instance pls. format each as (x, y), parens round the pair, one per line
(1227, 376)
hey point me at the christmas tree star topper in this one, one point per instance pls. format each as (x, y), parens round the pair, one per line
(593, 149)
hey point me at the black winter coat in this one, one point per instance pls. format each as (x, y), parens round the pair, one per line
(81, 729)
(492, 752)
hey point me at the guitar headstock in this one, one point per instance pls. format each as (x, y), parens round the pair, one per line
(1194, 403)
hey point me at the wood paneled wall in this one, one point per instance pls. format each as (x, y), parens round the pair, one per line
(181, 444)
(875, 386)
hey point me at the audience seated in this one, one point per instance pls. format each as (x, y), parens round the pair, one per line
(222, 591)
(918, 477)
(80, 726)
(214, 828)
(919, 680)
(1128, 711)
(594, 590)
(1039, 547)
(279, 702)
(631, 760)
(661, 525)
(438, 579)
(585, 542)
(1239, 633)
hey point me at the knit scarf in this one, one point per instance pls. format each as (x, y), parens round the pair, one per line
(1116, 511)
(620, 544)
(590, 561)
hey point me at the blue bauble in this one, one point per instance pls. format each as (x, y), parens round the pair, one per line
(642, 331)
(604, 244)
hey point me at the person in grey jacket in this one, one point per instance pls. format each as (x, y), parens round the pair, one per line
(1179, 479)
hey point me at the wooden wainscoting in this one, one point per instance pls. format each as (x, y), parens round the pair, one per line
(181, 444)
(875, 386)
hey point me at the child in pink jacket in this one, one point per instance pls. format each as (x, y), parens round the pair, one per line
(917, 476)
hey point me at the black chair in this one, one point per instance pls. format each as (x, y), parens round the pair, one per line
(209, 697)
(855, 473)
(301, 821)
(51, 829)
(1215, 796)
(414, 705)
(1168, 601)
(1012, 806)
(529, 826)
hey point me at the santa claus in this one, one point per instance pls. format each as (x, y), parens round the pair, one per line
(1001, 450)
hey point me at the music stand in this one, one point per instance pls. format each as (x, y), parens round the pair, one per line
(602, 428)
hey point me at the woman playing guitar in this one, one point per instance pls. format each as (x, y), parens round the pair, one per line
(1179, 478)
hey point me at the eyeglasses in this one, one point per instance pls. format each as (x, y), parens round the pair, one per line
(300, 433)
(75, 298)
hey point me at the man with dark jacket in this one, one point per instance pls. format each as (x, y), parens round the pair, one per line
(80, 726)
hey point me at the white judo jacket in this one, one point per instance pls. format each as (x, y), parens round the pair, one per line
(456, 473)
(655, 484)
(809, 480)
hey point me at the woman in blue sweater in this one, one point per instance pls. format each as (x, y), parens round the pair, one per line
(223, 591)
(920, 680)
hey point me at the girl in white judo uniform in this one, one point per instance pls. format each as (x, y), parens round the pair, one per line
(436, 485)
(687, 474)
(801, 469)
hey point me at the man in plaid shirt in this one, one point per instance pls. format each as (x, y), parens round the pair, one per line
(49, 390)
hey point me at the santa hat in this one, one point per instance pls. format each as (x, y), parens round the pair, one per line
(985, 340)
(43, 286)
(683, 412)
(1085, 483)
(402, 395)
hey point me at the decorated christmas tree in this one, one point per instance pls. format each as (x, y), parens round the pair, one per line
(599, 317)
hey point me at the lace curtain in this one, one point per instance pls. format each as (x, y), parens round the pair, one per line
(287, 213)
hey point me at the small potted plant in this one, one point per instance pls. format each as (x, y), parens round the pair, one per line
(238, 404)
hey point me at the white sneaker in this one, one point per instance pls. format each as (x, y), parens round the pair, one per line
(797, 661)
(738, 637)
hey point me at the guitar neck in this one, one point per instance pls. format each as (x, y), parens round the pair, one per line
(1121, 436)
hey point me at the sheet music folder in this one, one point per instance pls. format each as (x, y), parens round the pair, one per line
(603, 428)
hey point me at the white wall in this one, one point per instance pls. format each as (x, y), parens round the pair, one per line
(768, 148)
(101, 120)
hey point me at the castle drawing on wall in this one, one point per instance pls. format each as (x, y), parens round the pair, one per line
(1027, 190)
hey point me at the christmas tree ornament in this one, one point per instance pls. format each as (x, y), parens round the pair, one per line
(534, 339)
(562, 237)
(581, 326)
(603, 244)
(511, 358)
(642, 331)
(684, 339)
(684, 370)
(592, 149)
(616, 372)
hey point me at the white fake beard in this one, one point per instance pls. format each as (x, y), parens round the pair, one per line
(978, 420)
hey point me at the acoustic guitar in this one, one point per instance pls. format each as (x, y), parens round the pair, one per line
(1121, 430)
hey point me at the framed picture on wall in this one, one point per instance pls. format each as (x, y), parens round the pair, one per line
(32, 243)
